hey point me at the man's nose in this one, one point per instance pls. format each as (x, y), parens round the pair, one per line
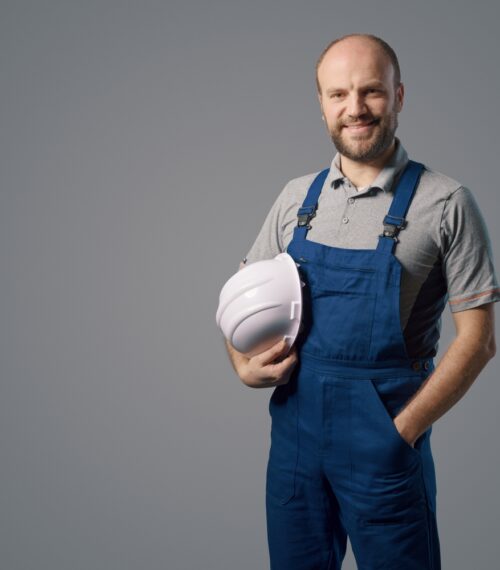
(356, 105)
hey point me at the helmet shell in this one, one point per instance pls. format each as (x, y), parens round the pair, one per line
(261, 301)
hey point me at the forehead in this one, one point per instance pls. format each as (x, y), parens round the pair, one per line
(354, 62)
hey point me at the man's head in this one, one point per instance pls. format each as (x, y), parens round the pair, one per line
(358, 82)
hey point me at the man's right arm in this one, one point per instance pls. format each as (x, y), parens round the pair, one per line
(274, 365)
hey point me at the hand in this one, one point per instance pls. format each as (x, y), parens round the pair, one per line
(270, 368)
(399, 425)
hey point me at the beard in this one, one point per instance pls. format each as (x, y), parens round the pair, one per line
(366, 147)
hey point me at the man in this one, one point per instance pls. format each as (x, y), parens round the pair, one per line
(389, 241)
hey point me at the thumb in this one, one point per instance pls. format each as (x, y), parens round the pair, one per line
(272, 353)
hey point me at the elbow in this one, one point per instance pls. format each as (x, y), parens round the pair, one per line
(491, 348)
(488, 346)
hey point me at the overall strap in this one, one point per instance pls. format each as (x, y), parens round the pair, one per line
(395, 220)
(309, 206)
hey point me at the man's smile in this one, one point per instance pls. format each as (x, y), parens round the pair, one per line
(361, 127)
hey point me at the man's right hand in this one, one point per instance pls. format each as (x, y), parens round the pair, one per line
(270, 368)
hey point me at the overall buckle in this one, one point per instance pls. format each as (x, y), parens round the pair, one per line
(392, 227)
(305, 214)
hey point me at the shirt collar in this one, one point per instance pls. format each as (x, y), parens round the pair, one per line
(385, 177)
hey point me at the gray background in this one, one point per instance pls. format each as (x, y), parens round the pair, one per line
(142, 145)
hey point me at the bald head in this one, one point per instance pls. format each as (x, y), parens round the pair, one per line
(354, 48)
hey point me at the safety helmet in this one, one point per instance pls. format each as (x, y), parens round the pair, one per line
(261, 301)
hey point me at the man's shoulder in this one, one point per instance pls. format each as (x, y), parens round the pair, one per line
(296, 188)
(440, 184)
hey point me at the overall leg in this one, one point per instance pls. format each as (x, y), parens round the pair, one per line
(304, 526)
(387, 506)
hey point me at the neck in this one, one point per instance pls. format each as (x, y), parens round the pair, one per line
(364, 173)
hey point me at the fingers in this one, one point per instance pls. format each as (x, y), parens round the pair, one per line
(272, 353)
(272, 367)
(278, 369)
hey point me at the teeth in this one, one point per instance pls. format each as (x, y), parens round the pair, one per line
(357, 126)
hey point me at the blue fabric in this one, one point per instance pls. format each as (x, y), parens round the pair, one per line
(337, 465)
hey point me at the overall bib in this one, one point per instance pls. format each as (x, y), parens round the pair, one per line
(337, 465)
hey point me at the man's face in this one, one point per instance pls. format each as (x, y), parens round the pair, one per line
(358, 99)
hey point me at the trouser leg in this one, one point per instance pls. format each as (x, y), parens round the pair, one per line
(305, 531)
(304, 525)
(387, 503)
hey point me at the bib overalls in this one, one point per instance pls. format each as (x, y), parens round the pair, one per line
(337, 465)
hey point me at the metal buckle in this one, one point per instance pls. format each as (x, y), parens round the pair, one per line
(392, 229)
(305, 215)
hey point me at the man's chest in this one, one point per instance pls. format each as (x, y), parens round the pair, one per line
(351, 220)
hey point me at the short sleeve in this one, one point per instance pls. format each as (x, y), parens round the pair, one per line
(467, 255)
(269, 241)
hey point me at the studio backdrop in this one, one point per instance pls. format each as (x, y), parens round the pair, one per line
(142, 145)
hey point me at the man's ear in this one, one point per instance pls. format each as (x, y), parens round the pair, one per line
(400, 95)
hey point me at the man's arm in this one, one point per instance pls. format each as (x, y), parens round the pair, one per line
(471, 349)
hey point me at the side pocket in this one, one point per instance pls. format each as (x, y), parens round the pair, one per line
(389, 406)
(283, 454)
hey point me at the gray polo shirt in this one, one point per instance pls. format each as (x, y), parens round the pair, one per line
(445, 250)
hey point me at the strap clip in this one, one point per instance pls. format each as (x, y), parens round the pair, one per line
(305, 214)
(392, 227)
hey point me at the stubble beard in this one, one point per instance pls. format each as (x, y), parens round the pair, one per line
(373, 146)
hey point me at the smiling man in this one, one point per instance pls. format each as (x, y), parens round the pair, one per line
(383, 243)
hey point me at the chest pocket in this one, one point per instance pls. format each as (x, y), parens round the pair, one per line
(342, 306)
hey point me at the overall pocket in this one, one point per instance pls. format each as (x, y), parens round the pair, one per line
(391, 396)
(283, 454)
(343, 305)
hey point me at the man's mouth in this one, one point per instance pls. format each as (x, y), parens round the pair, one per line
(361, 126)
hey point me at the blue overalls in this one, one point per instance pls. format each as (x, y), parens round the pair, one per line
(337, 465)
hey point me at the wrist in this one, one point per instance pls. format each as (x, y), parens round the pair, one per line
(406, 430)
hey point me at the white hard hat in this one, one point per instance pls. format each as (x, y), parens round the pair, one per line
(261, 301)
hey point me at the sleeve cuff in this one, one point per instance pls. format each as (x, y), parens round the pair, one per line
(472, 300)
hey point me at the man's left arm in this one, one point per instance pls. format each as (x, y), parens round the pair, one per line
(469, 352)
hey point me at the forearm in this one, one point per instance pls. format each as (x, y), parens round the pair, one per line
(455, 373)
